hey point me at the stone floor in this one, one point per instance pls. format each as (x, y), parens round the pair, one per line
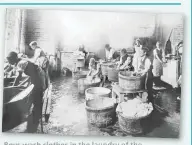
(68, 115)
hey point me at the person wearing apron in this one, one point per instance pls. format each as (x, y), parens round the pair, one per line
(109, 53)
(137, 48)
(158, 64)
(144, 67)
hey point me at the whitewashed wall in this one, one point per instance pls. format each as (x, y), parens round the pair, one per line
(95, 29)
(69, 29)
(12, 30)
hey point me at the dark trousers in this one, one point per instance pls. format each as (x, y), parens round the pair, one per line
(33, 119)
(149, 87)
(157, 80)
(47, 79)
(150, 92)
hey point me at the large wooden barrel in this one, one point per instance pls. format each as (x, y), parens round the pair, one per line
(104, 67)
(113, 73)
(83, 84)
(97, 92)
(132, 83)
(101, 112)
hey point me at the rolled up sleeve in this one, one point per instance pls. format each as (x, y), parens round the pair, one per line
(112, 51)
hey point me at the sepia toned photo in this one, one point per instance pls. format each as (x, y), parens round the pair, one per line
(92, 73)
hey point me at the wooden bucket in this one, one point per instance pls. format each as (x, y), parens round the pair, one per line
(83, 85)
(131, 83)
(101, 112)
(104, 67)
(112, 73)
(97, 92)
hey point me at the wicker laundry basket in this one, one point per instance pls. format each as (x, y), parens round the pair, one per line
(99, 116)
(131, 125)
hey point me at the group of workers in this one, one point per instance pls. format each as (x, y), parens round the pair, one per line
(37, 69)
(139, 63)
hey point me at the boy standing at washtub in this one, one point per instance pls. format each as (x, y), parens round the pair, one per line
(143, 66)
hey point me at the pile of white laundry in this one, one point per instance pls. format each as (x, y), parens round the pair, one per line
(135, 108)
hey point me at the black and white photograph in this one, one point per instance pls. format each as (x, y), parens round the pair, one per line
(92, 73)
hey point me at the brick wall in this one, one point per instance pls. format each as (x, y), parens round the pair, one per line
(167, 23)
(39, 28)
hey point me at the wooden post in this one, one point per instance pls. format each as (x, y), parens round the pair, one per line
(23, 31)
(48, 104)
(45, 101)
(59, 62)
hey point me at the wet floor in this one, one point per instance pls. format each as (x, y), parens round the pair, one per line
(68, 115)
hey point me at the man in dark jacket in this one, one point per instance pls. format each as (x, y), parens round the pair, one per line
(34, 72)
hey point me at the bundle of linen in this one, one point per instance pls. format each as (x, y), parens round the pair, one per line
(135, 108)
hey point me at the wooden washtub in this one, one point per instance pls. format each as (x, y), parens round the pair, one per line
(16, 104)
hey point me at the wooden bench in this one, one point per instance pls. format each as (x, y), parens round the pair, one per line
(119, 93)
